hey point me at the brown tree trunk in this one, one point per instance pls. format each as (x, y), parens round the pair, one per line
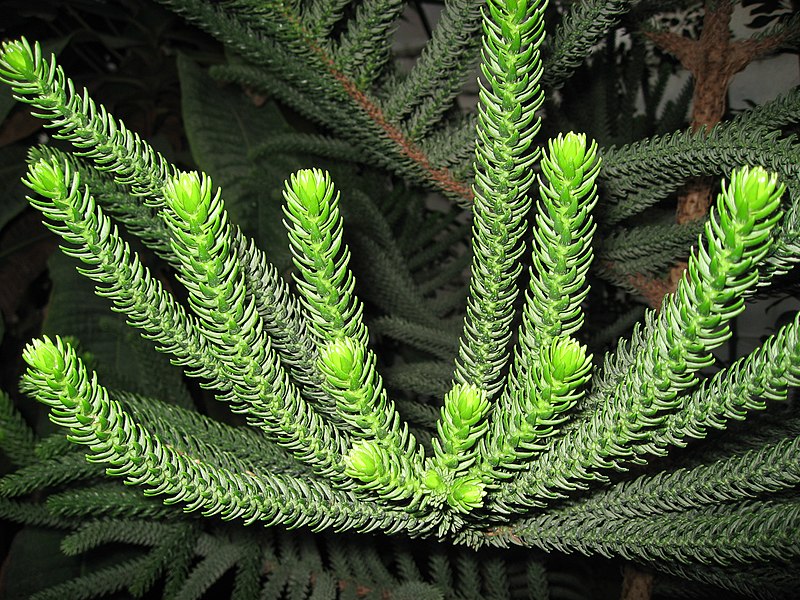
(712, 59)
(636, 585)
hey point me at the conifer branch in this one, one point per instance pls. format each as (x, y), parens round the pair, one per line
(738, 478)
(506, 125)
(57, 378)
(745, 532)
(351, 380)
(16, 437)
(322, 15)
(583, 25)
(763, 375)
(51, 473)
(690, 323)
(36, 514)
(461, 426)
(108, 500)
(111, 146)
(235, 448)
(332, 448)
(562, 250)
(325, 282)
(120, 275)
(428, 90)
(232, 329)
(549, 367)
(364, 118)
(638, 175)
(363, 49)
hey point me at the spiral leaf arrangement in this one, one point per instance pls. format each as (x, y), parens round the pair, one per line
(519, 429)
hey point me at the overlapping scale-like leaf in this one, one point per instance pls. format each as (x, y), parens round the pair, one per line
(58, 378)
(232, 328)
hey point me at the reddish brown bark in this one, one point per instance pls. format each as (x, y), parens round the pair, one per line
(442, 178)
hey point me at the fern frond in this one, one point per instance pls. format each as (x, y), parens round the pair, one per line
(168, 541)
(538, 586)
(674, 114)
(249, 570)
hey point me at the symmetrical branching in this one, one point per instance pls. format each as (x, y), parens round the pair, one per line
(518, 429)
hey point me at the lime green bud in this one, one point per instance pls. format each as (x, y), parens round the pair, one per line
(467, 493)
(466, 403)
(17, 57)
(45, 356)
(47, 179)
(756, 187)
(569, 153)
(189, 196)
(341, 357)
(364, 462)
(568, 359)
(433, 481)
(312, 187)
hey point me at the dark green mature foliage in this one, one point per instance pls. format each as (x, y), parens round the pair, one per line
(485, 426)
